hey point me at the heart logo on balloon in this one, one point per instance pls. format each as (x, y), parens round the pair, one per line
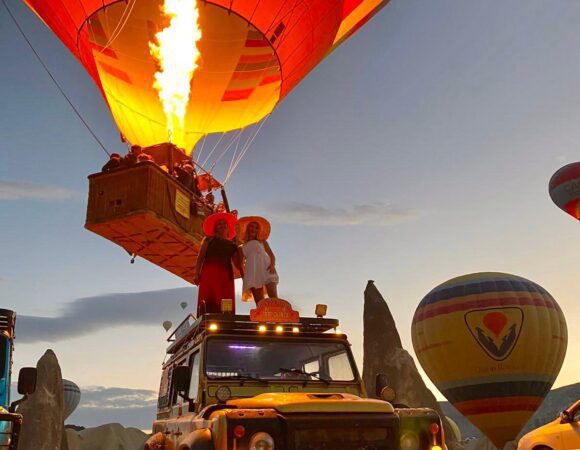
(496, 330)
(495, 322)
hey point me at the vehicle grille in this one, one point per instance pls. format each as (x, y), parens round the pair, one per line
(350, 432)
(346, 439)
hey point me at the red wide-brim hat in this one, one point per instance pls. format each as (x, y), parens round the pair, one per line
(210, 221)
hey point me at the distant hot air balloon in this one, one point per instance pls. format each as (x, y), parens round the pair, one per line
(565, 189)
(72, 397)
(183, 305)
(167, 325)
(493, 344)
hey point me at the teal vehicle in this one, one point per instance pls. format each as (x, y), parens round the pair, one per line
(10, 421)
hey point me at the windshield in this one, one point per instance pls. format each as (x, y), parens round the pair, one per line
(278, 360)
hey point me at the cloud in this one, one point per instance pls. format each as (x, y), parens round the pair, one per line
(130, 407)
(99, 405)
(86, 315)
(307, 214)
(24, 190)
(99, 397)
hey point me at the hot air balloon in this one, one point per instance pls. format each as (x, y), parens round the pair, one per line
(72, 397)
(565, 189)
(171, 78)
(167, 325)
(493, 344)
(183, 305)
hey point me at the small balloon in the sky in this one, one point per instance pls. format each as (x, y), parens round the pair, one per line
(183, 305)
(565, 189)
(167, 325)
(72, 397)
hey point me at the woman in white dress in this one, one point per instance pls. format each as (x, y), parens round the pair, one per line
(259, 260)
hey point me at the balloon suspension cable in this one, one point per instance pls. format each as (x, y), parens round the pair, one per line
(245, 148)
(120, 25)
(53, 78)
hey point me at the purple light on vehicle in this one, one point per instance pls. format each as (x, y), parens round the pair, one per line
(242, 347)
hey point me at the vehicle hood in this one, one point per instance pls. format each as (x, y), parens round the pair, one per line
(303, 402)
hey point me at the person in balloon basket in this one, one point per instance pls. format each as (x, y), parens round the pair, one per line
(113, 163)
(214, 273)
(259, 262)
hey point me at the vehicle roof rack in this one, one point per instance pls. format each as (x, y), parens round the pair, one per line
(191, 327)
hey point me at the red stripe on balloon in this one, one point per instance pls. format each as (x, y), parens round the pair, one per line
(482, 303)
(567, 173)
(237, 94)
(257, 43)
(121, 75)
(497, 405)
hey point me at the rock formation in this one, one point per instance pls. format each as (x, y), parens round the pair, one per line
(43, 411)
(110, 436)
(384, 353)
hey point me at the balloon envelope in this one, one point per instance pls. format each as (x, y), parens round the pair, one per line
(493, 344)
(252, 53)
(565, 189)
(167, 325)
(72, 397)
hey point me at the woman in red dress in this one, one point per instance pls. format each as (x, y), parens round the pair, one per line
(214, 273)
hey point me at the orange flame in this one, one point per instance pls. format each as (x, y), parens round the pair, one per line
(176, 53)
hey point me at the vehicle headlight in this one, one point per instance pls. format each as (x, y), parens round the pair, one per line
(410, 441)
(262, 441)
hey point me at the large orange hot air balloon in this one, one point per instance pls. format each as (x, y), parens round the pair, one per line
(493, 344)
(565, 189)
(175, 71)
(251, 55)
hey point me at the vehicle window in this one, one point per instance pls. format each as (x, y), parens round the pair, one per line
(194, 383)
(277, 360)
(339, 367)
(174, 394)
(576, 415)
(312, 366)
(163, 400)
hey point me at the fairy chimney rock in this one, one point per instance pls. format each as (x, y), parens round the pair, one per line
(384, 353)
(43, 411)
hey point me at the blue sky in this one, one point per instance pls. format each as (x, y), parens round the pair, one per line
(418, 151)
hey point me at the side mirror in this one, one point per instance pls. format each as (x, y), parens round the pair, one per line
(27, 380)
(181, 378)
(565, 417)
(382, 388)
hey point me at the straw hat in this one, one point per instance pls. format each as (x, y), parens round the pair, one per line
(245, 221)
(210, 221)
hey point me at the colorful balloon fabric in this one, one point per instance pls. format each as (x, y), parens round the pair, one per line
(493, 344)
(565, 189)
(252, 54)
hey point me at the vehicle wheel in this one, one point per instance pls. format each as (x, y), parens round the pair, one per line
(543, 447)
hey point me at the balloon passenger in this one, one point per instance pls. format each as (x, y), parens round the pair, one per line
(113, 163)
(214, 273)
(130, 159)
(259, 261)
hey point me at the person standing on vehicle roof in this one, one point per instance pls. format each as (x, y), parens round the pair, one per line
(214, 273)
(259, 261)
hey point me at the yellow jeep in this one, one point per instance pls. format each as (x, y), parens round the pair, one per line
(249, 383)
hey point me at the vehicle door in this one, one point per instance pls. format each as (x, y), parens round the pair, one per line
(571, 431)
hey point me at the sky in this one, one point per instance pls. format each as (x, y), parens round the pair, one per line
(420, 150)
